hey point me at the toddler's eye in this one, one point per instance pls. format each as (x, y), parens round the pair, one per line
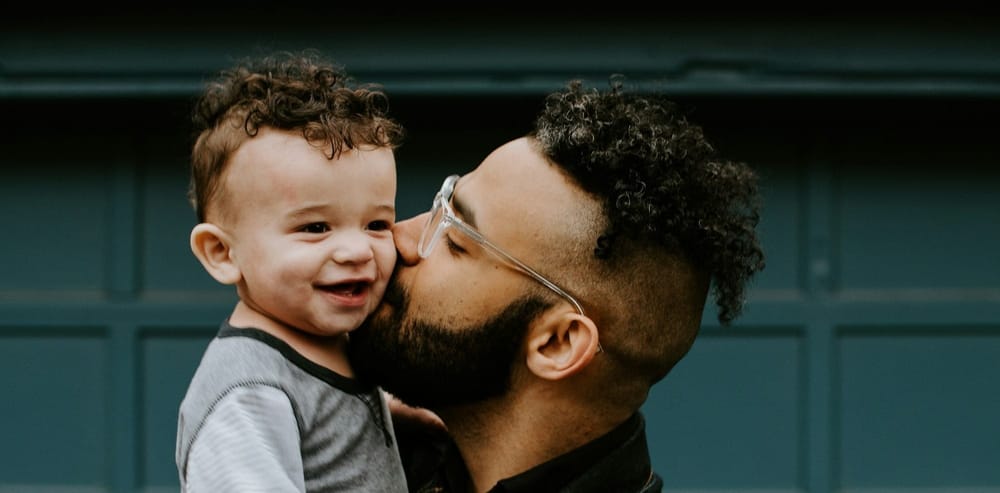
(379, 225)
(315, 228)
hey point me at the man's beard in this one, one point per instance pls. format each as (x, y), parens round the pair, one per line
(430, 366)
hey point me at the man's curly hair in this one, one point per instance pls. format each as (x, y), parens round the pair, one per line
(660, 180)
(287, 91)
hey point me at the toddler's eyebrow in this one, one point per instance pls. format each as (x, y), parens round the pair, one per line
(311, 209)
(391, 208)
(325, 208)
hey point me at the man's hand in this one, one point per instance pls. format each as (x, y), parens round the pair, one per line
(404, 415)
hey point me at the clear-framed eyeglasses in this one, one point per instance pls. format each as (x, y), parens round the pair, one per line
(443, 217)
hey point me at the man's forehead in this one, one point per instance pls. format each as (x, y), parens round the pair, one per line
(515, 168)
(517, 187)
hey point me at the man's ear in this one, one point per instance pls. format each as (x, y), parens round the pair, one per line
(212, 247)
(560, 344)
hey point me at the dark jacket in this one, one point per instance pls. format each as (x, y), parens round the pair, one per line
(617, 462)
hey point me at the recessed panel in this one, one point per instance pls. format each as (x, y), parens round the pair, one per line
(55, 408)
(729, 415)
(919, 210)
(56, 207)
(919, 409)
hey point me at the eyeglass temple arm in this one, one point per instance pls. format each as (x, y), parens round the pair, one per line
(497, 251)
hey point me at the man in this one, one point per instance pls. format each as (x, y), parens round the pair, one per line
(545, 292)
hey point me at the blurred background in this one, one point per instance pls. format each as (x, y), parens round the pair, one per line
(868, 357)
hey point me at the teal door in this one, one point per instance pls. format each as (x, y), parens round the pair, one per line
(868, 358)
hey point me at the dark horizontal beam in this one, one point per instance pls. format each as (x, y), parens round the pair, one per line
(135, 54)
(109, 86)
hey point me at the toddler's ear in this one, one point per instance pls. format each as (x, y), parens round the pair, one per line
(212, 247)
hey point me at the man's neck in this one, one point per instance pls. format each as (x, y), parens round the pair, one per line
(505, 437)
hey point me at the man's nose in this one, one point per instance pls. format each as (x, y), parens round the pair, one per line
(407, 237)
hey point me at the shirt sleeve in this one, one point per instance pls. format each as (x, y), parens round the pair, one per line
(249, 443)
